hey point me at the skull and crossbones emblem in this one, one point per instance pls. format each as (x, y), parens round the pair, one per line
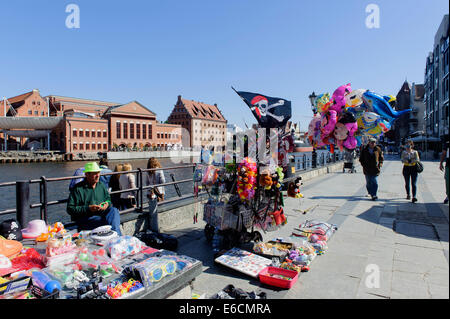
(261, 107)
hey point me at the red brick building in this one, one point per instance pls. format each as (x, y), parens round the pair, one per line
(96, 126)
(203, 123)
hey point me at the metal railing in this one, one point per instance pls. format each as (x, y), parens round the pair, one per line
(305, 162)
(22, 191)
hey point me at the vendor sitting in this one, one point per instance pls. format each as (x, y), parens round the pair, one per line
(89, 202)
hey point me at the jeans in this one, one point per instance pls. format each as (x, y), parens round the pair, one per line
(410, 174)
(371, 184)
(111, 216)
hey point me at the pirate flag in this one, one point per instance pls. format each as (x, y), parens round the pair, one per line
(272, 112)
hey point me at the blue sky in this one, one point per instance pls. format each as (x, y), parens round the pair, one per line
(152, 51)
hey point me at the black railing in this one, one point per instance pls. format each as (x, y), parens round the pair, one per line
(305, 162)
(22, 191)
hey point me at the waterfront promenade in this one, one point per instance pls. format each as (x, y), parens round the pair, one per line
(405, 244)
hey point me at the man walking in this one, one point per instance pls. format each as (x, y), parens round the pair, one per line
(371, 159)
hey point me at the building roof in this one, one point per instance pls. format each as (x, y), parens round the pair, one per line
(115, 108)
(36, 123)
(202, 110)
(88, 102)
(20, 98)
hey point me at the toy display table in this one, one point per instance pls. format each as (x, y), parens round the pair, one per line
(162, 289)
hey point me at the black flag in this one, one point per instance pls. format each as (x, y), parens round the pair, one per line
(272, 112)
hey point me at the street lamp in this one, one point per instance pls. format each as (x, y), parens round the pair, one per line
(312, 99)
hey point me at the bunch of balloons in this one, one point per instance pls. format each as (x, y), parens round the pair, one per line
(246, 180)
(348, 115)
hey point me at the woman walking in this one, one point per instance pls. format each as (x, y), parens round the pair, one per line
(410, 157)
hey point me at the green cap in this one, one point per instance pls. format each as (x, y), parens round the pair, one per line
(91, 167)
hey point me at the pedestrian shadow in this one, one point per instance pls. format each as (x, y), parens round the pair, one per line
(419, 220)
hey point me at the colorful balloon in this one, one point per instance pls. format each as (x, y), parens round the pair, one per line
(322, 102)
(378, 104)
(354, 98)
(338, 98)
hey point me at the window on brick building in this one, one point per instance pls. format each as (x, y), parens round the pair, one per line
(125, 130)
(75, 146)
(30, 112)
(93, 146)
(144, 131)
(131, 130)
(36, 112)
(99, 133)
(105, 134)
(87, 135)
(138, 131)
(118, 130)
(81, 147)
(88, 147)
(74, 133)
(81, 135)
(105, 147)
(150, 132)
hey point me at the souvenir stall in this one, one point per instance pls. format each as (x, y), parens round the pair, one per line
(254, 206)
(51, 262)
(245, 196)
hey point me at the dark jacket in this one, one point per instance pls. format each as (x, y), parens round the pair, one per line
(371, 163)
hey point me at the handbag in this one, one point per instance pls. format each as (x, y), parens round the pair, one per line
(419, 167)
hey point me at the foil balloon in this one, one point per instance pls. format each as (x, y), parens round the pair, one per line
(354, 98)
(345, 130)
(328, 122)
(314, 130)
(378, 104)
(372, 124)
(322, 102)
(338, 97)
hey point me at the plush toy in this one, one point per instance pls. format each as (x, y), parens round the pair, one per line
(246, 179)
(294, 188)
(265, 180)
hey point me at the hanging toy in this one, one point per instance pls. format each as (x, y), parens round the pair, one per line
(246, 180)
(294, 188)
(265, 180)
